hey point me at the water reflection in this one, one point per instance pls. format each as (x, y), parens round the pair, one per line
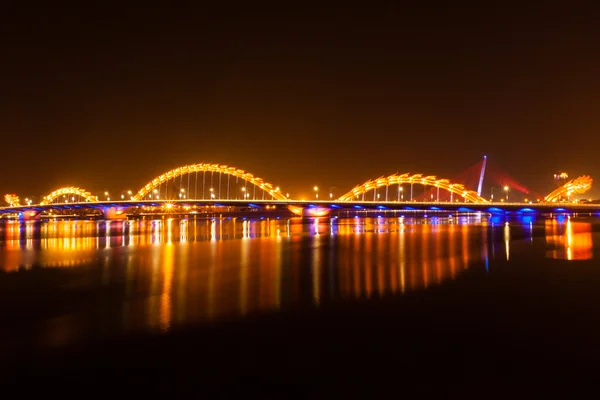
(172, 271)
(567, 239)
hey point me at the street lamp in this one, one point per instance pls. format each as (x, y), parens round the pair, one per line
(401, 189)
(316, 189)
(506, 189)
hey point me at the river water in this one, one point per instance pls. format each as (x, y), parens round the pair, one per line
(65, 284)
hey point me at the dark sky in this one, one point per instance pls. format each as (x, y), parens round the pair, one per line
(107, 98)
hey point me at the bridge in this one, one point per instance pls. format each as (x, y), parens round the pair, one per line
(204, 187)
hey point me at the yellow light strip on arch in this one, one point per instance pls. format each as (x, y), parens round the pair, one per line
(396, 179)
(578, 185)
(188, 169)
(71, 190)
(12, 200)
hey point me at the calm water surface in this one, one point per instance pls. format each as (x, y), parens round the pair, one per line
(71, 281)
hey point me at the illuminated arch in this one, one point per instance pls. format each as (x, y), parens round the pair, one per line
(12, 200)
(395, 179)
(575, 186)
(71, 190)
(224, 169)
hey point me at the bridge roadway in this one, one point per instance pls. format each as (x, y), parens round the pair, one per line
(305, 208)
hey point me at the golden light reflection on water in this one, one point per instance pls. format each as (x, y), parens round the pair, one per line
(175, 271)
(568, 239)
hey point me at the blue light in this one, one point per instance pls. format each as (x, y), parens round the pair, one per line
(434, 208)
(381, 207)
(334, 206)
(560, 209)
(495, 210)
(495, 219)
(464, 209)
(560, 218)
(408, 208)
(252, 205)
(526, 219)
(527, 210)
(379, 216)
(358, 207)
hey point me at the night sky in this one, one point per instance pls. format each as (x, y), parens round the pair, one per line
(108, 98)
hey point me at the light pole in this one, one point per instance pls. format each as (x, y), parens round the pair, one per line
(506, 189)
(492, 194)
(316, 189)
(331, 192)
(401, 190)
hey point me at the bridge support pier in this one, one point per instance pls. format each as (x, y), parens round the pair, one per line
(30, 215)
(309, 211)
(114, 213)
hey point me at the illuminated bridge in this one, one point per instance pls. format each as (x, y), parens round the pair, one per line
(214, 188)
